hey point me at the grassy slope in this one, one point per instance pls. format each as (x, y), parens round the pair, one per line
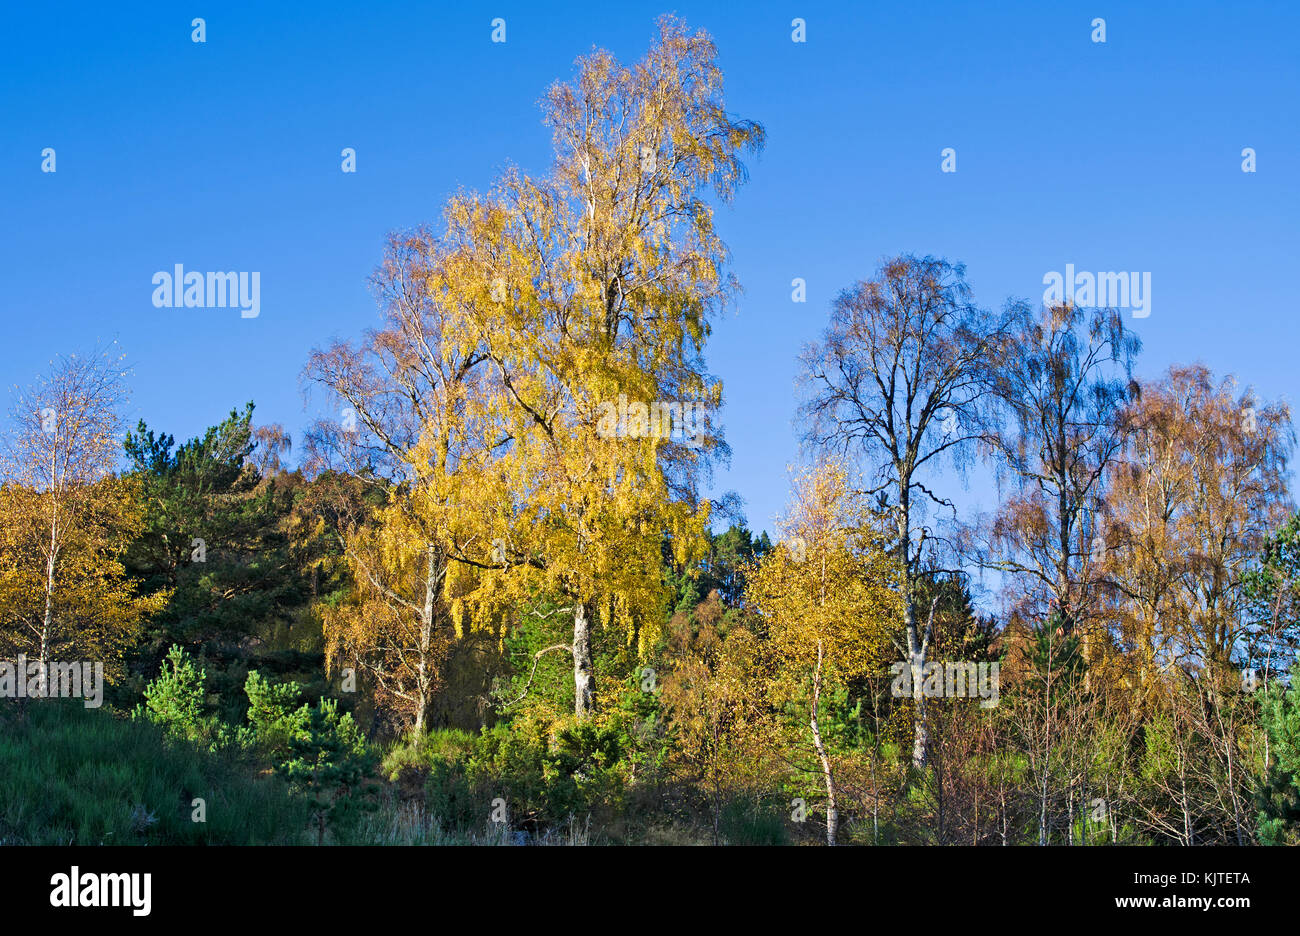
(78, 776)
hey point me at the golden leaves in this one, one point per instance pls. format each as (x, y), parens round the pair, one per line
(539, 301)
(830, 582)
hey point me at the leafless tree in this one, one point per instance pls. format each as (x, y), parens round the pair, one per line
(901, 381)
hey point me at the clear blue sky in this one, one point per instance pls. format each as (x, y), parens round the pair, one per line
(225, 156)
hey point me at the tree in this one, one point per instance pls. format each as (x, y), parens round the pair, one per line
(393, 623)
(319, 750)
(510, 334)
(1279, 788)
(1273, 596)
(583, 290)
(216, 541)
(272, 442)
(393, 467)
(175, 699)
(328, 759)
(962, 735)
(900, 379)
(829, 594)
(1202, 486)
(1044, 712)
(714, 699)
(722, 569)
(65, 519)
(1066, 377)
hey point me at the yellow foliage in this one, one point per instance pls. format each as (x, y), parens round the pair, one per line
(829, 584)
(94, 611)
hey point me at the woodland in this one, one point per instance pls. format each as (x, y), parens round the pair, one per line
(487, 599)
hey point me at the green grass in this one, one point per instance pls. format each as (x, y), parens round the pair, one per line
(69, 775)
(72, 775)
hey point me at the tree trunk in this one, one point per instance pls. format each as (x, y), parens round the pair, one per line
(421, 707)
(47, 621)
(584, 688)
(920, 735)
(424, 678)
(1042, 810)
(832, 817)
(918, 648)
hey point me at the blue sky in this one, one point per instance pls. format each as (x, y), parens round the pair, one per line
(226, 156)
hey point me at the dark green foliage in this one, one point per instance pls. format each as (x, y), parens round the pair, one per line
(546, 772)
(239, 594)
(1056, 657)
(1272, 638)
(1279, 793)
(274, 718)
(722, 569)
(549, 684)
(1278, 801)
(545, 780)
(328, 759)
(321, 753)
(960, 634)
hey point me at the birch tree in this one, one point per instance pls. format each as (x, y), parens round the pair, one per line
(900, 381)
(585, 288)
(1202, 486)
(1065, 376)
(65, 519)
(402, 427)
(829, 594)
